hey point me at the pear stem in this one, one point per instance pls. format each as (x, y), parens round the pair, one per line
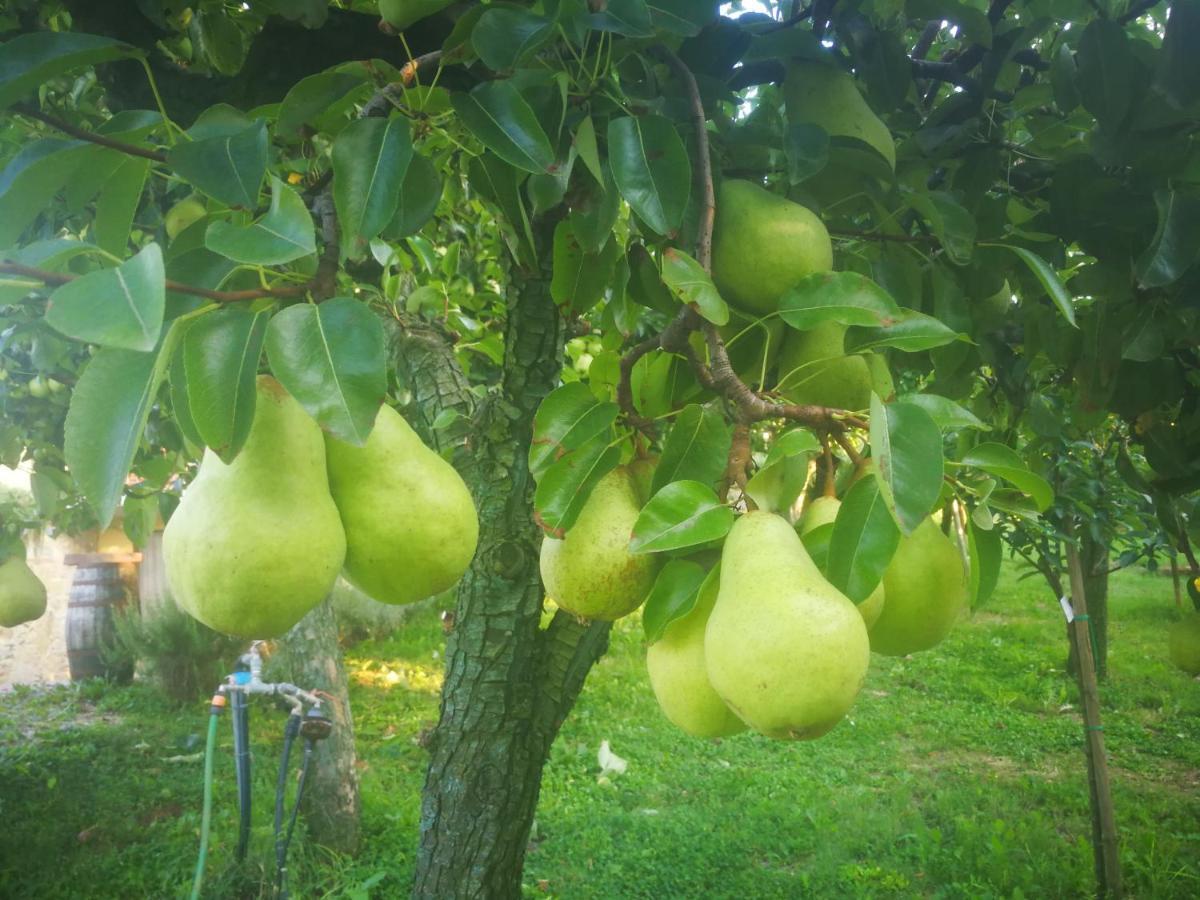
(844, 442)
(828, 489)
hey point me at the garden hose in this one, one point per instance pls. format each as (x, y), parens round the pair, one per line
(240, 711)
(290, 730)
(281, 849)
(218, 703)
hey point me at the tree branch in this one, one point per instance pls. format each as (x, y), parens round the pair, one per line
(55, 279)
(84, 135)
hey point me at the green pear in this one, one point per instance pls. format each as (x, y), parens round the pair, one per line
(641, 470)
(926, 589)
(762, 245)
(255, 544)
(590, 572)
(675, 663)
(784, 649)
(814, 369)
(400, 14)
(821, 511)
(825, 95)
(183, 214)
(411, 525)
(1184, 643)
(22, 594)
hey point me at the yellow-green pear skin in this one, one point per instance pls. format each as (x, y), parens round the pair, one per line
(1184, 643)
(22, 594)
(821, 511)
(814, 369)
(825, 95)
(784, 649)
(590, 572)
(762, 245)
(400, 14)
(255, 544)
(411, 524)
(675, 663)
(926, 589)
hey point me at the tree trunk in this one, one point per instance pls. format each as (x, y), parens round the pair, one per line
(1093, 556)
(508, 683)
(309, 657)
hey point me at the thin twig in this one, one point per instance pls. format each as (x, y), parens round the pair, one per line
(56, 279)
(84, 135)
(880, 236)
(853, 454)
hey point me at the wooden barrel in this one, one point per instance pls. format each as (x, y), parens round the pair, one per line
(97, 592)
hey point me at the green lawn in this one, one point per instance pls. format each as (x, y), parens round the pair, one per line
(959, 774)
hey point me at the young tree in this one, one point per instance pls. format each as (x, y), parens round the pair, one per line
(634, 155)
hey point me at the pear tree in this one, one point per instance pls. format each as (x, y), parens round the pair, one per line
(656, 277)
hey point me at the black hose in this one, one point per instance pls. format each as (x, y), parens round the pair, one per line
(241, 758)
(281, 890)
(290, 730)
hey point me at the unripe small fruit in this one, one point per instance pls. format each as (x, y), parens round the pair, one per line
(38, 387)
(583, 363)
(183, 214)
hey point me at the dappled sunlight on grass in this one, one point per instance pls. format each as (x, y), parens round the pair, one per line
(396, 673)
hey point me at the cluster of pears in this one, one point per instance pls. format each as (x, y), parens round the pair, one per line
(22, 594)
(590, 572)
(258, 542)
(771, 645)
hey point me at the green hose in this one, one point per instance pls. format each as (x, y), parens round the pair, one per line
(206, 817)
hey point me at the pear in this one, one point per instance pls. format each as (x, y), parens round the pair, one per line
(411, 525)
(675, 663)
(590, 572)
(825, 95)
(784, 649)
(1184, 643)
(641, 470)
(256, 543)
(183, 214)
(814, 369)
(400, 14)
(926, 589)
(821, 511)
(22, 594)
(762, 245)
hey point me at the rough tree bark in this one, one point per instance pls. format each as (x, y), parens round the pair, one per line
(509, 684)
(1094, 557)
(309, 656)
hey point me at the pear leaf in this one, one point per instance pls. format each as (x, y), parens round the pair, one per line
(682, 514)
(910, 331)
(370, 159)
(567, 418)
(221, 351)
(688, 281)
(845, 297)
(1004, 462)
(906, 445)
(986, 553)
(121, 307)
(862, 543)
(284, 234)
(566, 485)
(228, 167)
(695, 448)
(946, 413)
(651, 168)
(672, 597)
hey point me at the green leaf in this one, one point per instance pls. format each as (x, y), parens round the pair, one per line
(630, 18)
(1176, 244)
(688, 281)
(285, 233)
(682, 514)
(645, 282)
(580, 279)
(227, 167)
(946, 413)
(330, 357)
(594, 212)
(31, 179)
(695, 448)
(1049, 279)
(566, 419)
(986, 553)
(672, 597)
(370, 158)
(181, 410)
(845, 297)
(682, 17)
(585, 143)
(953, 225)
(1063, 79)
(118, 203)
(806, 147)
(221, 351)
(504, 36)
(566, 485)
(791, 443)
(121, 307)
(910, 331)
(219, 38)
(420, 194)
(651, 168)
(499, 184)
(863, 540)
(1106, 71)
(906, 446)
(776, 486)
(30, 60)
(816, 542)
(1178, 73)
(505, 123)
(104, 424)
(1004, 462)
(311, 98)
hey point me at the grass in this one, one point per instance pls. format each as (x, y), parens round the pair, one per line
(959, 773)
